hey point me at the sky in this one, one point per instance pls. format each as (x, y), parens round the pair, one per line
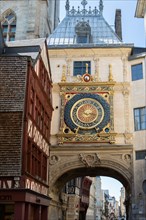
(132, 27)
(113, 185)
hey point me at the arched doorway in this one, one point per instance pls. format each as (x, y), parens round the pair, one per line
(68, 162)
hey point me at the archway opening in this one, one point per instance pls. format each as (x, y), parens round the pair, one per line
(79, 194)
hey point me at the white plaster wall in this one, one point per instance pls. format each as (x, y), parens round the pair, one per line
(117, 69)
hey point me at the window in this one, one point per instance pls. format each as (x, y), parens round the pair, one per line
(82, 39)
(137, 72)
(83, 32)
(140, 155)
(72, 182)
(9, 26)
(80, 67)
(140, 118)
(36, 161)
(71, 187)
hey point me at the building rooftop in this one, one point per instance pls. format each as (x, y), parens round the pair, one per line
(84, 27)
(31, 48)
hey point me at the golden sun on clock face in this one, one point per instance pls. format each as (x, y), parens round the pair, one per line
(87, 113)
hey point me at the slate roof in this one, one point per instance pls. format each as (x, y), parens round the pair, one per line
(31, 47)
(13, 73)
(101, 31)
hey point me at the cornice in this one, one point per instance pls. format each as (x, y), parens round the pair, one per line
(89, 52)
(92, 146)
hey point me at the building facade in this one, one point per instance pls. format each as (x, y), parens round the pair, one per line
(28, 19)
(93, 132)
(91, 211)
(138, 76)
(99, 200)
(25, 117)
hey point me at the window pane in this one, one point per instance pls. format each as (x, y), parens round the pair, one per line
(82, 39)
(137, 72)
(80, 67)
(140, 155)
(143, 125)
(12, 38)
(136, 112)
(143, 111)
(5, 28)
(13, 28)
(10, 16)
(137, 124)
(140, 118)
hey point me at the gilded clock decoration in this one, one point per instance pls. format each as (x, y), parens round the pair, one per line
(86, 112)
(87, 77)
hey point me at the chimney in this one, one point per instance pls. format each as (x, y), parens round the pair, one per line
(118, 23)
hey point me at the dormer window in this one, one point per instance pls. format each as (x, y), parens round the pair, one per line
(83, 32)
(82, 39)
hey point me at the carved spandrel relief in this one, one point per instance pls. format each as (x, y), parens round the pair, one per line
(127, 158)
(53, 159)
(90, 160)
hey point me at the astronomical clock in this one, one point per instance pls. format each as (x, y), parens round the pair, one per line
(86, 111)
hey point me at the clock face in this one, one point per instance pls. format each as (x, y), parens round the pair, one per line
(86, 112)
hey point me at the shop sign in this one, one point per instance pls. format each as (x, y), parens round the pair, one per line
(6, 184)
(36, 187)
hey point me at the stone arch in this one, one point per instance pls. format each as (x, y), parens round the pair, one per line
(70, 161)
(63, 171)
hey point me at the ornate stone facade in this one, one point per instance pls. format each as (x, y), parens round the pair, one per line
(74, 154)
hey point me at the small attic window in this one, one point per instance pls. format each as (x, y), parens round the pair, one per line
(82, 39)
(83, 32)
